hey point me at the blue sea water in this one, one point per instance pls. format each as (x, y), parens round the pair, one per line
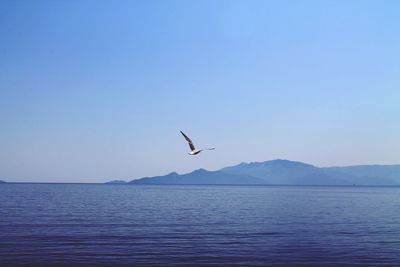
(127, 225)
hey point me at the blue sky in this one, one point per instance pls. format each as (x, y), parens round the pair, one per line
(97, 90)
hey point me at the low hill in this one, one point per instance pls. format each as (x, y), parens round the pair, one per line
(117, 182)
(200, 176)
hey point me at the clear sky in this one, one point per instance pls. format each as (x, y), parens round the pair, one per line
(92, 91)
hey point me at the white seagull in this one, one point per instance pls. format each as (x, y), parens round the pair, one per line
(193, 150)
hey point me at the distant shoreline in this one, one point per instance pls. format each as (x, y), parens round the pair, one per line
(278, 172)
(166, 185)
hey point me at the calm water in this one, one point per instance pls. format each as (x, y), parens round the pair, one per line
(85, 224)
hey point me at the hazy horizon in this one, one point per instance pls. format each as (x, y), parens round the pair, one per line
(127, 179)
(94, 91)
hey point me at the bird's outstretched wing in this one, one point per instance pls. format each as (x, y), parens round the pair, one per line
(189, 141)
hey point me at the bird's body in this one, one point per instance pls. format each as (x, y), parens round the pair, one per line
(193, 150)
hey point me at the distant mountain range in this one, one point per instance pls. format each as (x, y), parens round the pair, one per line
(282, 172)
(1, 181)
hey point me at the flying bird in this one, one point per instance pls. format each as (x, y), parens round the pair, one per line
(193, 150)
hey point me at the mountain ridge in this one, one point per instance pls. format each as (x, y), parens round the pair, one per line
(283, 172)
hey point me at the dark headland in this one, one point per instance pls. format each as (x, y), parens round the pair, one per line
(282, 172)
(116, 182)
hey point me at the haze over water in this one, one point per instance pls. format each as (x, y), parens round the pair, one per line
(190, 225)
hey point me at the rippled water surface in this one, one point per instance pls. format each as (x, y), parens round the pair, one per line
(87, 224)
